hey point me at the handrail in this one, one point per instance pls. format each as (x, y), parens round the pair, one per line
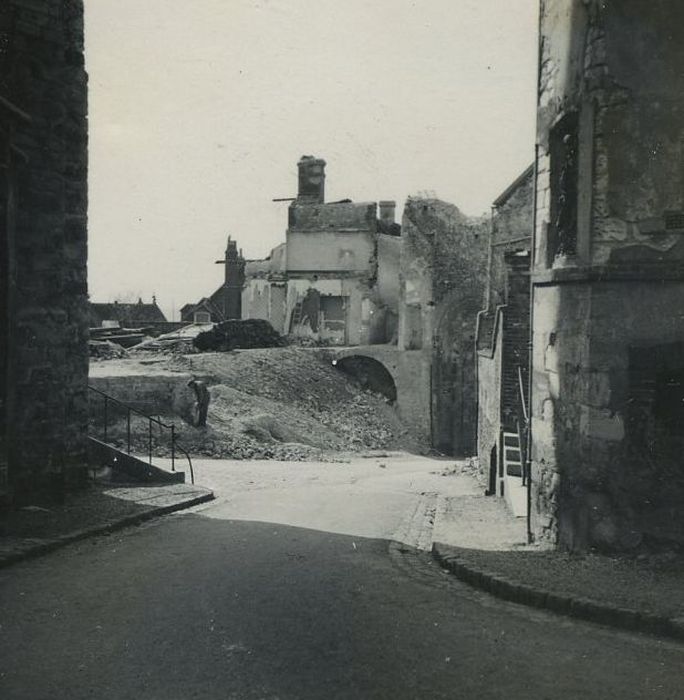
(175, 445)
(523, 428)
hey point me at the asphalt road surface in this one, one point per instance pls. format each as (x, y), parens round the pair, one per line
(201, 605)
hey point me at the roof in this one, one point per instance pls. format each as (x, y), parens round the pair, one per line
(514, 186)
(139, 313)
(204, 303)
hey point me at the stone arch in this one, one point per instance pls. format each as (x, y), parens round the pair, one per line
(370, 373)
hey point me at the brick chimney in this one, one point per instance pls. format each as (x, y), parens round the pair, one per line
(311, 180)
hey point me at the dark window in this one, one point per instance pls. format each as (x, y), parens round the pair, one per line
(564, 156)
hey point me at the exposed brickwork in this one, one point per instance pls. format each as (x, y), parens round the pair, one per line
(503, 326)
(43, 226)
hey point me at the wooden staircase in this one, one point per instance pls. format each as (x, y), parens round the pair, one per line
(512, 486)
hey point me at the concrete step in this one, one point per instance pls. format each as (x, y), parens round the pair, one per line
(516, 495)
(513, 468)
(121, 464)
(511, 440)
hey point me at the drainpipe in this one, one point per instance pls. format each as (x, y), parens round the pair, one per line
(533, 247)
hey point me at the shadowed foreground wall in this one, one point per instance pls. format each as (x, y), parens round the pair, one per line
(43, 197)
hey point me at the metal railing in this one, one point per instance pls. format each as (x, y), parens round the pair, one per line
(523, 428)
(108, 401)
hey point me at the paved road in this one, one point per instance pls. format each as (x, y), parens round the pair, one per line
(202, 605)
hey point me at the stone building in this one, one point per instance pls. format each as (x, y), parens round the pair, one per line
(443, 266)
(43, 283)
(226, 302)
(334, 280)
(608, 328)
(502, 341)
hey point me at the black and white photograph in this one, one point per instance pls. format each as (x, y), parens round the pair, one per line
(341, 349)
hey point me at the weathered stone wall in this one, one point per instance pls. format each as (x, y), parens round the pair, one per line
(410, 371)
(512, 225)
(614, 71)
(44, 245)
(489, 398)
(444, 259)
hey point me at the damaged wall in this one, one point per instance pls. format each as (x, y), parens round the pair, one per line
(609, 272)
(43, 207)
(503, 325)
(443, 264)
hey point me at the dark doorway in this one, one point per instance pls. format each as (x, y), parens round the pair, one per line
(370, 374)
(493, 473)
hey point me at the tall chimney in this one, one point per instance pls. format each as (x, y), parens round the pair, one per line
(387, 208)
(311, 180)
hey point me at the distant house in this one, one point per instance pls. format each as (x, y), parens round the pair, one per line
(226, 302)
(203, 311)
(119, 315)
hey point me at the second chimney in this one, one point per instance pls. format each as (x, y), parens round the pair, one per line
(387, 208)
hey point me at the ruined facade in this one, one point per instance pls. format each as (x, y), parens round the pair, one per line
(334, 280)
(502, 342)
(443, 266)
(43, 283)
(608, 330)
(226, 302)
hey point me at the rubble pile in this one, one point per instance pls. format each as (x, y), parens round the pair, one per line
(283, 404)
(105, 350)
(248, 333)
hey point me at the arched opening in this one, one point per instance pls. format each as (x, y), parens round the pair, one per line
(370, 374)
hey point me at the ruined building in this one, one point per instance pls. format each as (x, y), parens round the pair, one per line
(502, 343)
(226, 302)
(443, 265)
(335, 279)
(43, 284)
(608, 322)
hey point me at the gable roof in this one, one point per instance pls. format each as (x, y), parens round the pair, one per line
(126, 314)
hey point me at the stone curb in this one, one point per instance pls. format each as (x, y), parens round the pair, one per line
(580, 608)
(50, 545)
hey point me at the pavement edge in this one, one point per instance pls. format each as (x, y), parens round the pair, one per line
(103, 529)
(580, 608)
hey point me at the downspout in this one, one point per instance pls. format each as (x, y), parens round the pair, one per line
(533, 248)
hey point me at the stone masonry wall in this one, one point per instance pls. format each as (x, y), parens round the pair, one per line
(614, 70)
(44, 242)
(450, 250)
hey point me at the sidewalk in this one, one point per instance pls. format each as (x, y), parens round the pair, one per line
(31, 531)
(477, 539)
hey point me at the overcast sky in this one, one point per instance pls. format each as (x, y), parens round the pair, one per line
(200, 110)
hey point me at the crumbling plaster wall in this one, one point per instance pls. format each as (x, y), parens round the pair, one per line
(45, 232)
(618, 65)
(332, 237)
(443, 265)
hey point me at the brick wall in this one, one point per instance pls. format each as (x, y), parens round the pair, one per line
(44, 246)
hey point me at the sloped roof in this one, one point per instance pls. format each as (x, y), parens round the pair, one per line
(139, 313)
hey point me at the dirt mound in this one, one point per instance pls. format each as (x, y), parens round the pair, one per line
(287, 403)
(229, 335)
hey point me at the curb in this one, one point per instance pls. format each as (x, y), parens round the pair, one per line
(104, 529)
(579, 608)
